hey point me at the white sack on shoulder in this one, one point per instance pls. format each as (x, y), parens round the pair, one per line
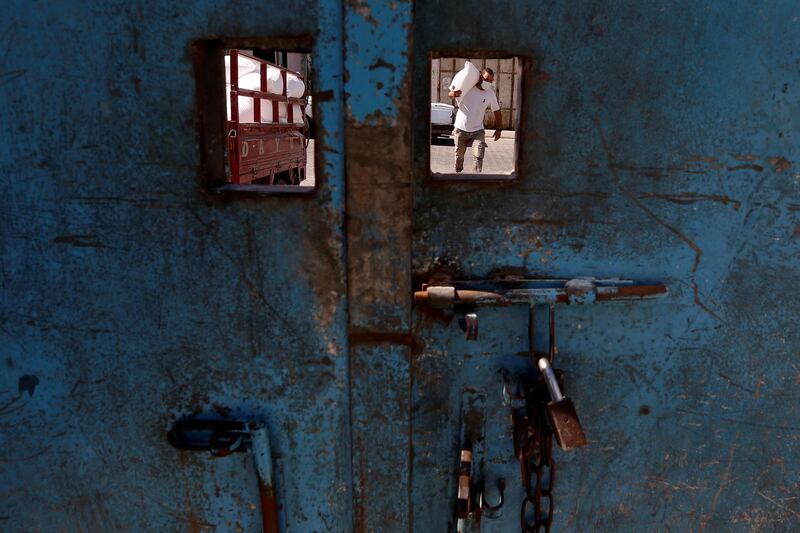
(465, 79)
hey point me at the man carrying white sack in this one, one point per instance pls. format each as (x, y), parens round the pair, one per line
(468, 127)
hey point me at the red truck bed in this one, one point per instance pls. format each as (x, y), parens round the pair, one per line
(265, 152)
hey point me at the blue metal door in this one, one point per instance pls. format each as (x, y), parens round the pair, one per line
(658, 142)
(132, 297)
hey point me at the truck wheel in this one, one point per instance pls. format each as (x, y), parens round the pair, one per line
(287, 177)
(282, 178)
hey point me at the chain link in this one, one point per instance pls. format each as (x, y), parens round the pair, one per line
(533, 440)
(539, 471)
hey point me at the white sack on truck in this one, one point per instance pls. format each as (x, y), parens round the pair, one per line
(295, 88)
(245, 106)
(283, 114)
(250, 81)
(249, 72)
(274, 80)
(244, 66)
(465, 79)
(246, 113)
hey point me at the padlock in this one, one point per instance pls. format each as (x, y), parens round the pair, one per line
(561, 411)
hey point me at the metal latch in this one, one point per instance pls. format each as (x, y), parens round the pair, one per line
(222, 437)
(535, 291)
(465, 295)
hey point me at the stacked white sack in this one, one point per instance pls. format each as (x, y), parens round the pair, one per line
(283, 114)
(295, 88)
(245, 107)
(274, 80)
(244, 66)
(250, 78)
(246, 110)
(465, 79)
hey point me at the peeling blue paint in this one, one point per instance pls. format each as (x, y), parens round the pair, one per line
(377, 59)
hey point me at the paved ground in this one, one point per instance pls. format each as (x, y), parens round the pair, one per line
(498, 158)
(309, 181)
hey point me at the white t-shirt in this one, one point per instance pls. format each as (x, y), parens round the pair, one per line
(472, 107)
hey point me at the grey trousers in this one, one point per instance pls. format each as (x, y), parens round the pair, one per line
(468, 138)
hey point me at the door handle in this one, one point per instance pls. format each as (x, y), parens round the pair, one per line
(224, 437)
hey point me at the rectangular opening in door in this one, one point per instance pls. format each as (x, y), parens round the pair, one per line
(255, 116)
(268, 113)
(474, 118)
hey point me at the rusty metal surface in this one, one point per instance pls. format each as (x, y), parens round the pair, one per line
(659, 141)
(378, 161)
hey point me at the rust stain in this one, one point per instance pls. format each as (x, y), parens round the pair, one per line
(363, 9)
(699, 302)
(540, 221)
(757, 168)
(380, 337)
(759, 384)
(692, 197)
(359, 337)
(779, 164)
(380, 63)
(193, 522)
(655, 172)
(701, 159)
(360, 507)
(723, 484)
(614, 168)
(712, 162)
(509, 273)
(80, 241)
(540, 77)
